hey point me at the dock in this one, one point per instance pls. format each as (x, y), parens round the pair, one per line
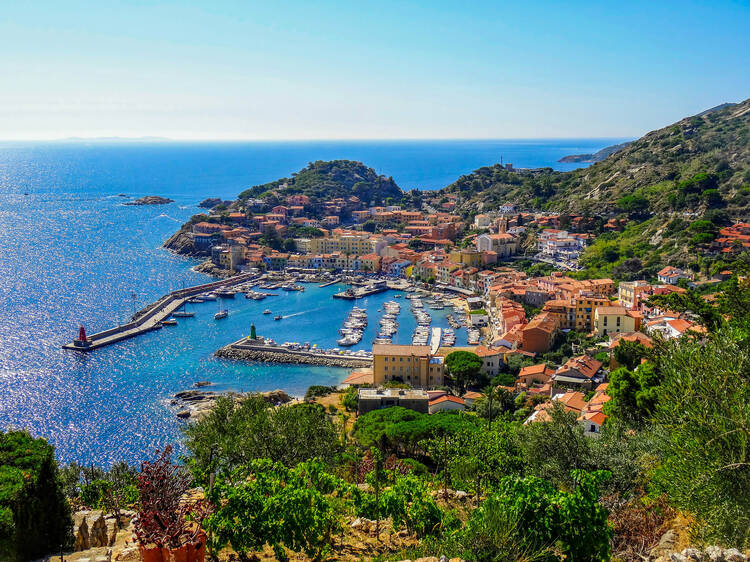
(329, 283)
(153, 315)
(362, 292)
(437, 333)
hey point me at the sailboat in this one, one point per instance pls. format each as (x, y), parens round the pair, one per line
(222, 313)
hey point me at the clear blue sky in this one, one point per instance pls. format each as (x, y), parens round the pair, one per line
(353, 69)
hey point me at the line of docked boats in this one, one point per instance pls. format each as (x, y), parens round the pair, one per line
(388, 324)
(353, 328)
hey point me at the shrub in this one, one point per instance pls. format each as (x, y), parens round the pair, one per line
(545, 516)
(268, 503)
(34, 516)
(232, 434)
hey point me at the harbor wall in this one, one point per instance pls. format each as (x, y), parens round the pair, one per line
(242, 351)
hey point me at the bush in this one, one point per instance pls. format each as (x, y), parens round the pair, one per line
(574, 521)
(232, 434)
(318, 390)
(268, 503)
(408, 502)
(34, 516)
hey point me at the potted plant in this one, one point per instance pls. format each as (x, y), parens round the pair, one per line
(168, 524)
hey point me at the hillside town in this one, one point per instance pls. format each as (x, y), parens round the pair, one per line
(554, 332)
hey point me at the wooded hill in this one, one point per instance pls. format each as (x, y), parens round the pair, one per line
(327, 180)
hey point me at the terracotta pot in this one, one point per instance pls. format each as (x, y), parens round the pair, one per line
(150, 553)
(194, 552)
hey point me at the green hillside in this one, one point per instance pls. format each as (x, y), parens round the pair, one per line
(327, 180)
(677, 186)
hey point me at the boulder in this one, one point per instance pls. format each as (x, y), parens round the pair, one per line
(80, 531)
(97, 525)
(734, 555)
(693, 555)
(714, 554)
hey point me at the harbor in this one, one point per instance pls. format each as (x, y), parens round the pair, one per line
(153, 316)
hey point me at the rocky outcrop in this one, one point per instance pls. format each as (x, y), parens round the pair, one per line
(708, 554)
(151, 200)
(181, 242)
(210, 268)
(280, 356)
(210, 203)
(197, 404)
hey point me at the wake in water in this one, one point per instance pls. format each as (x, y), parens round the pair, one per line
(166, 216)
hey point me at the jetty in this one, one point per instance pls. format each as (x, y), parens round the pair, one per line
(267, 351)
(150, 318)
(435, 341)
(362, 292)
(329, 283)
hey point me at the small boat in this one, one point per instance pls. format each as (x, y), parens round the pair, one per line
(266, 311)
(221, 314)
(169, 322)
(183, 313)
(278, 317)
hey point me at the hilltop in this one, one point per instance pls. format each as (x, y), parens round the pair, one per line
(673, 184)
(328, 180)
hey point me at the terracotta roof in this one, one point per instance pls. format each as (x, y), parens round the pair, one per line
(587, 366)
(542, 368)
(447, 398)
(360, 377)
(573, 400)
(471, 395)
(596, 417)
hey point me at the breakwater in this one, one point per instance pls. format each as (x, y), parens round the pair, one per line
(247, 349)
(150, 317)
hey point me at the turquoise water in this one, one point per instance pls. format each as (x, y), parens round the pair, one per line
(71, 252)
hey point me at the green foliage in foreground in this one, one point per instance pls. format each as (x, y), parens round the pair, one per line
(233, 434)
(267, 503)
(575, 522)
(34, 516)
(702, 419)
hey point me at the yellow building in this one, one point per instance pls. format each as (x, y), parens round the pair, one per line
(585, 307)
(472, 258)
(412, 364)
(615, 319)
(357, 244)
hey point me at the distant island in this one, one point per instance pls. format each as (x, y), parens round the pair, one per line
(596, 156)
(151, 200)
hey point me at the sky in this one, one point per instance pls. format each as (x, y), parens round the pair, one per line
(314, 69)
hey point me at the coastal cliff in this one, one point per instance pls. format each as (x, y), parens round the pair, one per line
(181, 242)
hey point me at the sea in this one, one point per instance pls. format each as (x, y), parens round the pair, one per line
(72, 253)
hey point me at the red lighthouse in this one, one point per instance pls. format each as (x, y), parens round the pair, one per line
(82, 334)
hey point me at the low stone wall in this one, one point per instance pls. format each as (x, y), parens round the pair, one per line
(276, 355)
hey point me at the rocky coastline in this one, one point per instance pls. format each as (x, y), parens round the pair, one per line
(151, 200)
(210, 268)
(194, 405)
(278, 356)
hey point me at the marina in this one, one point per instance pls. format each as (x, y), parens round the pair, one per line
(152, 317)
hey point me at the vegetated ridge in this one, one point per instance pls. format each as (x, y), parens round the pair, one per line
(676, 186)
(597, 156)
(326, 180)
